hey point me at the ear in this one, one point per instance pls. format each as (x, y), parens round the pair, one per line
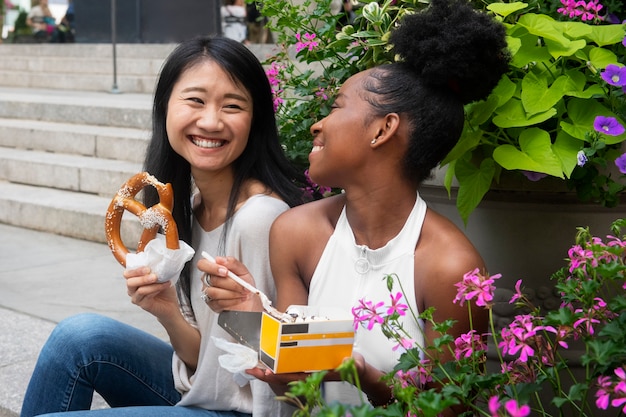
(387, 128)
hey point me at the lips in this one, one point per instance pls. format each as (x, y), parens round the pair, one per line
(207, 143)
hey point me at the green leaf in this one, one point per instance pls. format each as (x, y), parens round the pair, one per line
(505, 9)
(473, 184)
(512, 114)
(606, 34)
(601, 57)
(543, 26)
(468, 141)
(530, 51)
(582, 113)
(535, 155)
(537, 97)
(566, 148)
(558, 49)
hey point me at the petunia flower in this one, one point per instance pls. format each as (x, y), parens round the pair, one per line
(614, 75)
(534, 176)
(620, 162)
(581, 158)
(608, 126)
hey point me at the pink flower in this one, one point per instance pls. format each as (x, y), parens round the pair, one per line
(475, 285)
(604, 392)
(367, 311)
(396, 306)
(468, 343)
(309, 42)
(518, 292)
(494, 405)
(515, 410)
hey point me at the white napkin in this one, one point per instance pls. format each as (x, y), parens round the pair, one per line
(165, 263)
(237, 360)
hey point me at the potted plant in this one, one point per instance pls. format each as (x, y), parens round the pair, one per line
(535, 373)
(540, 121)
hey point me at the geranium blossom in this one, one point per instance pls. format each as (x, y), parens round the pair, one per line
(476, 285)
(580, 8)
(608, 126)
(396, 306)
(614, 75)
(516, 410)
(306, 41)
(368, 312)
(468, 343)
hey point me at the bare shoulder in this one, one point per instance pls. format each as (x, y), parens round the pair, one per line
(319, 214)
(299, 235)
(444, 254)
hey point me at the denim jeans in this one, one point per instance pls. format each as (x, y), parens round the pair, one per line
(126, 366)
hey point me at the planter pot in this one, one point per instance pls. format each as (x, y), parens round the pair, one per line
(525, 235)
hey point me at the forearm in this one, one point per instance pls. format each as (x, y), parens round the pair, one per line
(185, 339)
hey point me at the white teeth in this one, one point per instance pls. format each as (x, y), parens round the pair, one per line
(208, 143)
(317, 148)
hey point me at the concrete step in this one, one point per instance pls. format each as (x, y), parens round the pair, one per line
(89, 67)
(125, 144)
(61, 212)
(66, 172)
(79, 107)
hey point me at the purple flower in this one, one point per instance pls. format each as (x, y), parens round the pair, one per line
(608, 126)
(534, 176)
(581, 158)
(621, 163)
(614, 75)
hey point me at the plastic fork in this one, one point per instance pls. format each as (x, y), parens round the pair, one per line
(265, 301)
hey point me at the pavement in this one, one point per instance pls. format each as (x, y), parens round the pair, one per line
(45, 278)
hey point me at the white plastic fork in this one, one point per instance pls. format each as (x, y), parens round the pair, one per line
(265, 301)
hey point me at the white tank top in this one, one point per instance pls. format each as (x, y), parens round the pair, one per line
(348, 272)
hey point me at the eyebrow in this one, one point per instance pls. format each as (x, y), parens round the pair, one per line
(235, 96)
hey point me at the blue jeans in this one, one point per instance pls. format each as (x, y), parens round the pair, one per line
(126, 366)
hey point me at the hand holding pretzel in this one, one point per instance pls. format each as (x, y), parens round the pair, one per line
(152, 219)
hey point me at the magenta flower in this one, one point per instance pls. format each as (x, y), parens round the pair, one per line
(603, 395)
(475, 285)
(468, 343)
(608, 126)
(614, 75)
(404, 343)
(367, 311)
(396, 306)
(494, 405)
(620, 162)
(515, 410)
(518, 292)
(306, 41)
(585, 10)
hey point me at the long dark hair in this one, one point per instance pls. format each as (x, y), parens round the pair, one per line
(263, 158)
(451, 55)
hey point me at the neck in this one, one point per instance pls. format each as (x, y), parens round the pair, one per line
(377, 216)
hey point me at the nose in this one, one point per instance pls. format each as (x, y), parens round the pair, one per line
(210, 119)
(316, 128)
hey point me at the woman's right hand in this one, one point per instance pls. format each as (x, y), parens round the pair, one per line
(159, 299)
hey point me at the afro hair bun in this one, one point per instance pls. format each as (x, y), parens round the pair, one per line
(452, 45)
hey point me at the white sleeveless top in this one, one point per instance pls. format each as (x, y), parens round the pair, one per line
(348, 272)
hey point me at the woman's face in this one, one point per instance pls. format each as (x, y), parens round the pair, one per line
(341, 139)
(208, 118)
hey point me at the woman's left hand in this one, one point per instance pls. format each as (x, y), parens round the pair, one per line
(223, 293)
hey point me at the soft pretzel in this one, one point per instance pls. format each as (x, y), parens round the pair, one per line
(152, 219)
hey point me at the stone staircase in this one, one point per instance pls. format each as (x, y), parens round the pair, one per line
(67, 142)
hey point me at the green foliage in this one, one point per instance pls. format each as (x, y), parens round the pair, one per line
(537, 120)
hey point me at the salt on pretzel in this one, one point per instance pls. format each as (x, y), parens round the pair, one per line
(152, 219)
